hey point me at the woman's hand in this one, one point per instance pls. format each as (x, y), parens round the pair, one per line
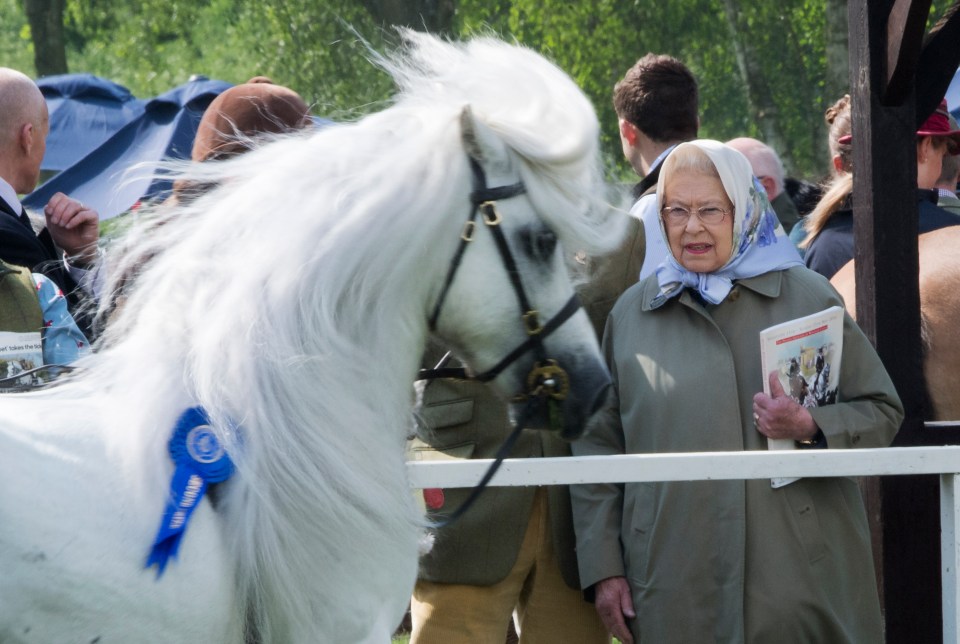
(779, 416)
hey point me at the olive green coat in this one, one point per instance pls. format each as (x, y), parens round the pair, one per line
(19, 310)
(731, 561)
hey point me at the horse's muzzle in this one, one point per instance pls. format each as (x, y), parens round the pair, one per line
(586, 395)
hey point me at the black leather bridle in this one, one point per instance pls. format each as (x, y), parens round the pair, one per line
(546, 378)
(546, 381)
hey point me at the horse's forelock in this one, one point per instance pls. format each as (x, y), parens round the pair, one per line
(536, 109)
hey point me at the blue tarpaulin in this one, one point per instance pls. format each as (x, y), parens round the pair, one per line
(84, 111)
(116, 174)
(953, 96)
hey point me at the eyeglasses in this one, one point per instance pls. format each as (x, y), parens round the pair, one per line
(679, 215)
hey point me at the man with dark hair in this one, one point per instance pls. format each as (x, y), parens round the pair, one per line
(658, 96)
(656, 103)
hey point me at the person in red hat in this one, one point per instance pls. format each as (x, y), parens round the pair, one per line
(949, 178)
(829, 241)
(935, 139)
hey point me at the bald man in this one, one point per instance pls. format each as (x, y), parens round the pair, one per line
(768, 168)
(70, 226)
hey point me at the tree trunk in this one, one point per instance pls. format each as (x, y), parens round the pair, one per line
(837, 81)
(763, 109)
(46, 29)
(435, 16)
(837, 50)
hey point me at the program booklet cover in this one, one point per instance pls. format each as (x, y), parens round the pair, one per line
(805, 353)
(19, 354)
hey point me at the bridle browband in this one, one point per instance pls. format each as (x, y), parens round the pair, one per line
(546, 378)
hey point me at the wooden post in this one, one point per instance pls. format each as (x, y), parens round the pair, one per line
(888, 35)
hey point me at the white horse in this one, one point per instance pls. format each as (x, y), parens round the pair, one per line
(292, 302)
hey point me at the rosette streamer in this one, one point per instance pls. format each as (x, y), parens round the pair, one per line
(200, 460)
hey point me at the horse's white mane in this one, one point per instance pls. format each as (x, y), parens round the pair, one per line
(292, 298)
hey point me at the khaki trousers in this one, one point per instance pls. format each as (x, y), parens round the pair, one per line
(545, 609)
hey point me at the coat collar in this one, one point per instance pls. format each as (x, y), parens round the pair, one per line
(768, 285)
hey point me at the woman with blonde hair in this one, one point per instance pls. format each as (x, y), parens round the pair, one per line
(829, 228)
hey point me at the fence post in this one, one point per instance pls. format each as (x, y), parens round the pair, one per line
(950, 557)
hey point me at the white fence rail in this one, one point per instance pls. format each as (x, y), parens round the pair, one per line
(706, 466)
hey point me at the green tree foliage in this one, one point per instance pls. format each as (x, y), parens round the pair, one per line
(598, 41)
(16, 49)
(319, 47)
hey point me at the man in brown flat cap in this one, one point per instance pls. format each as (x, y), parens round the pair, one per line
(244, 113)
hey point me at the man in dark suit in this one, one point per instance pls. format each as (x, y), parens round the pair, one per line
(67, 247)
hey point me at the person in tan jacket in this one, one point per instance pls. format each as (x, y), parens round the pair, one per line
(512, 553)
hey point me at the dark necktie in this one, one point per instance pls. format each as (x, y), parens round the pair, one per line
(24, 219)
(16, 210)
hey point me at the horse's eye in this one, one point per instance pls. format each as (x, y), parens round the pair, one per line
(539, 244)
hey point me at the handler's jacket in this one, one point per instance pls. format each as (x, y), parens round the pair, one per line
(467, 420)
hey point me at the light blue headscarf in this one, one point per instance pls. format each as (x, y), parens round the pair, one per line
(759, 241)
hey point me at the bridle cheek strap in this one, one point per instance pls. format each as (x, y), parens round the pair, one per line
(546, 377)
(481, 199)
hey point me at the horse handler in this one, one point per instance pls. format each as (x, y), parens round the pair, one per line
(512, 553)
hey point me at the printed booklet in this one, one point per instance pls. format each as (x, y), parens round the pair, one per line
(19, 353)
(806, 355)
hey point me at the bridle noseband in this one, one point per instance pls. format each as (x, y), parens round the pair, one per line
(546, 378)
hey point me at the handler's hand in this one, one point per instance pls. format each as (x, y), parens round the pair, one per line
(73, 227)
(613, 603)
(779, 416)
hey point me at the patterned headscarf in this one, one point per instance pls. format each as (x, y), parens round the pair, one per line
(760, 244)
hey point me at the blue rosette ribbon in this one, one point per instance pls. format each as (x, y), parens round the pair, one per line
(200, 460)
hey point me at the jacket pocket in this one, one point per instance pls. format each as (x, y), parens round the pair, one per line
(449, 413)
(639, 509)
(805, 520)
(417, 450)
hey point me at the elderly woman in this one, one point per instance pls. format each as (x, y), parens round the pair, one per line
(727, 561)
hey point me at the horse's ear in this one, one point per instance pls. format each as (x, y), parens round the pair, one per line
(482, 143)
